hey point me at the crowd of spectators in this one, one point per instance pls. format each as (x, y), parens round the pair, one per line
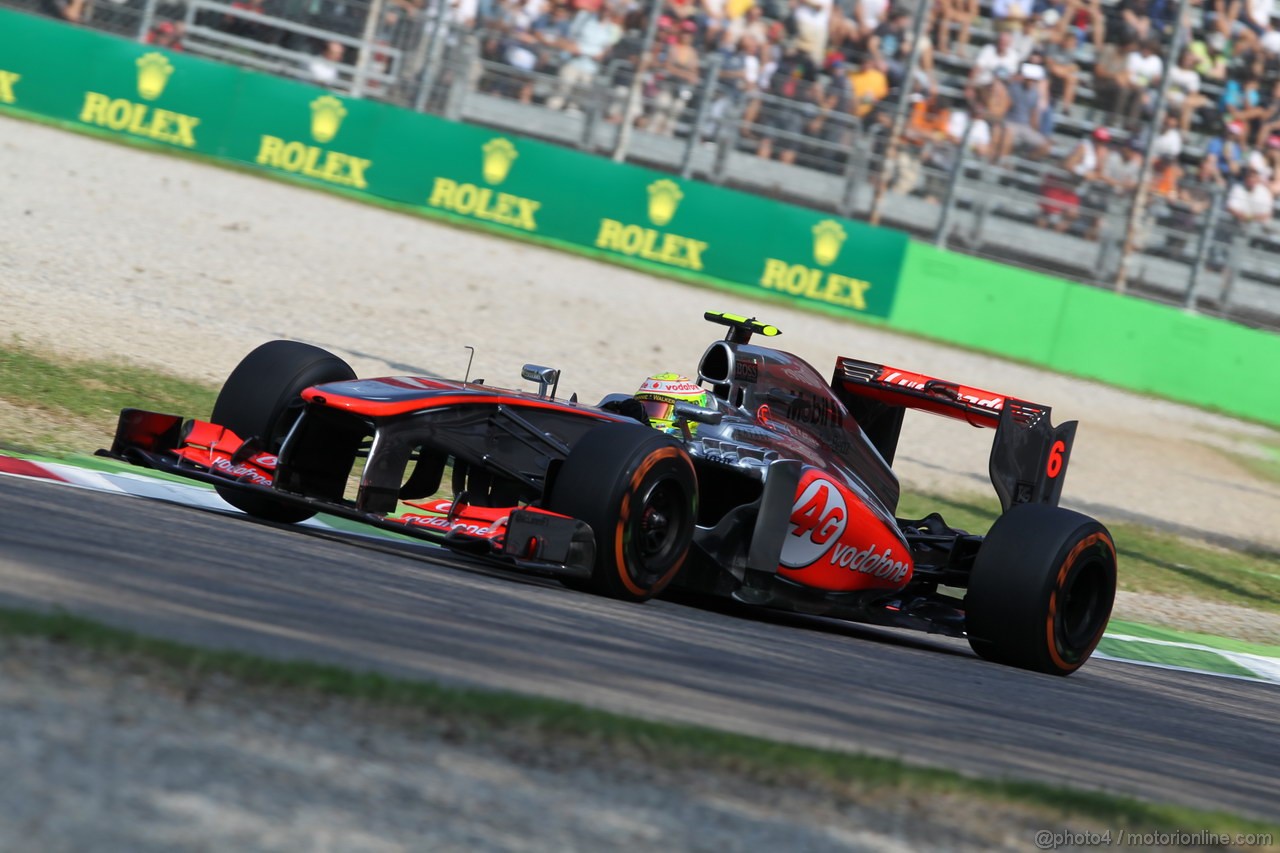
(1065, 89)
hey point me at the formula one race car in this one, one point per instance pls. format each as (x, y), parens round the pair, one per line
(762, 483)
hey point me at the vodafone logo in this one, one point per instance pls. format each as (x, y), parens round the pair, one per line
(818, 518)
(870, 561)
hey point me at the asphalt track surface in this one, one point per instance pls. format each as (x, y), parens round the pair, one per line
(224, 581)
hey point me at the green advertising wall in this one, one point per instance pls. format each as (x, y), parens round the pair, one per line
(532, 190)
(1089, 332)
(500, 181)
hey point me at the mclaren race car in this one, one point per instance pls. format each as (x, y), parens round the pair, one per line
(764, 483)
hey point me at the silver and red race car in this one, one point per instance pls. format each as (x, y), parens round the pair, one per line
(776, 490)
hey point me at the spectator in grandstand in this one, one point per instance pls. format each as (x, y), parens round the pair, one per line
(739, 77)
(167, 34)
(1269, 121)
(682, 10)
(1169, 140)
(997, 56)
(1010, 10)
(1210, 56)
(501, 20)
(1166, 177)
(893, 32)
(1111, 77)
(64, 10)
(1143, 70)
(712, 18)
(970, 130)
(1249, 205)
(833, 124)
(1088, 158)
(867, 15)
(324, 69)
(539, 47)
(674, 81)
(1222, 17)
(1143, 20)
(592, 33)
(1271, 160)
(1123, 170)
(810, 19)
(794, 91)
(926, 128)
(869, 86)
(510, 41)
(891, 43)
(1117, 178)
(402, 21)
(1183, 94)
(739, 69)
(1224, 155)
(1029, 36)
(1087, 19)
(1060, 194)
(1020, 129)
(772, 48)
(1061, 60)
(1249, 202)
(750, 22)
(1242, 103)
(958, 14)
(1255, 15)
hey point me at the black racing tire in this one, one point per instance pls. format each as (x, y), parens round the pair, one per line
(1041, 589)
(637, 489)
(262, 398)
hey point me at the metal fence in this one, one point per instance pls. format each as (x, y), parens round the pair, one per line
(1018, 210)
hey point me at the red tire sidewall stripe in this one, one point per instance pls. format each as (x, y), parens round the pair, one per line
(1051, 635)
(624, 513)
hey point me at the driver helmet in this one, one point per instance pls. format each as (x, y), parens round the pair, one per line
(659, 394)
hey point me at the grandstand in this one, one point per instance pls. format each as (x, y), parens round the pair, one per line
(1106, 142)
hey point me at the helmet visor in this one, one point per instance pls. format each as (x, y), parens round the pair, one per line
(659, 410)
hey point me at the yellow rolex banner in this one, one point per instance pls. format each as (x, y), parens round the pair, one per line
(495, 180)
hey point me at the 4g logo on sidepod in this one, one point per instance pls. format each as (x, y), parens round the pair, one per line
(816, 534)
(818, 517)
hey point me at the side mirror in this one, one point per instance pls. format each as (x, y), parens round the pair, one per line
(690, 412)
(685, 412)
(544, 376)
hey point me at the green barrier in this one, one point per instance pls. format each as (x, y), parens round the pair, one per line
(512, 184)
(1089, 332)
(590, 205)
(133, 90)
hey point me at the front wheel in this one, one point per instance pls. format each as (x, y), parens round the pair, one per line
(262, 398)
(1041, 589)
(637, 490)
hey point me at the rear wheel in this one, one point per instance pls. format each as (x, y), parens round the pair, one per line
(262, 398)
(637, 490)
(1041, 589)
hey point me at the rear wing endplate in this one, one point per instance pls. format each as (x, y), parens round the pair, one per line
(1029, 454)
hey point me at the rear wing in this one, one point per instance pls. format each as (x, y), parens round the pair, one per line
(1028, 454)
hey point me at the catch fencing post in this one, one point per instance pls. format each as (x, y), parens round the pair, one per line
(1202, 247)
(365, 55)
(1139, 205)
(430, 68)
(623, 140)
(953, 183)
(148, 19)
(709, 87)
(900, 111)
